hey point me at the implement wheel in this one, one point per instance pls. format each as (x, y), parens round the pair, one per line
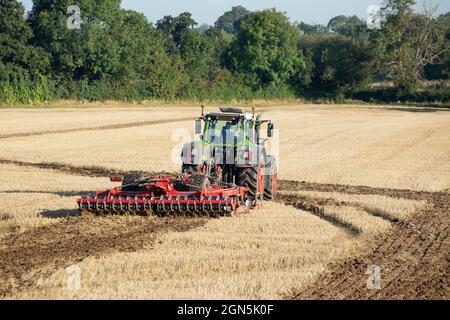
(131, 181)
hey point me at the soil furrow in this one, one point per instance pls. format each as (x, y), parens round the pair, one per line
(289, 197)
(98, 128)
(98, 172)
(413, 257)
(315, 206)
(65, 243)
(289, 185)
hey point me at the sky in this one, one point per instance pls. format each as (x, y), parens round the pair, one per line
(207, 11)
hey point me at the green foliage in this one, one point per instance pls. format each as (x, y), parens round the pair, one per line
(407, 43)
(91, 52)
(438, 93)
(22, 66)
(352, 26)
(441, 69)
(118, 54)
(265, 49)
(337, 61)
(230, 20)
(312, 28)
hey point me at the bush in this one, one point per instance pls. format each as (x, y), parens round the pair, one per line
(437, 93)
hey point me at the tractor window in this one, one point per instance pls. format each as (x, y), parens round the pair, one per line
(224, 132)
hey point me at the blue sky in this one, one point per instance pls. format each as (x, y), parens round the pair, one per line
(207, 11)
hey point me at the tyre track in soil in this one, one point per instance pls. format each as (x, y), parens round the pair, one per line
(312, 204)
(85, 171)
(49, 248)
(315, 206)
(98, 128)
(414, 255)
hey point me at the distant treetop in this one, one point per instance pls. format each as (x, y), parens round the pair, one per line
(229, 21)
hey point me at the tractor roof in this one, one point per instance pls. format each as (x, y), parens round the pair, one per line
(229, 113)
(231, 110)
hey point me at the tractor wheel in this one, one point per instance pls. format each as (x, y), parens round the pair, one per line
(269, 189)
(270, 183)
(249, 178)
(130, 182)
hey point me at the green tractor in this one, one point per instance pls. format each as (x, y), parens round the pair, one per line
(232, 151)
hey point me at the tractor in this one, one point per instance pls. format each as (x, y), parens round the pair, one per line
(232, 150)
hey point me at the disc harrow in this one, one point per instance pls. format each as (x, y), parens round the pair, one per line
(167, 196)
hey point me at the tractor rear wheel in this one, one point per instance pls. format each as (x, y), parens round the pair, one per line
(249, 178)
(269, 190)
(270, 181)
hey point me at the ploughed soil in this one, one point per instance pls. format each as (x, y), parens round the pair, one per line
(414, 256)
(65, 243)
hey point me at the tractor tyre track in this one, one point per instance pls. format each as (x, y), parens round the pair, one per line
(60, 245)
(313, 204)
(289, 185)
(316, 207)
(413, 257)
(98, 128)
(91, 171)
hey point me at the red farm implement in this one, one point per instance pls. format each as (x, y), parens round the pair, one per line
(184, 196)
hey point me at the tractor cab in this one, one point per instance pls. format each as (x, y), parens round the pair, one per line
(231, 126)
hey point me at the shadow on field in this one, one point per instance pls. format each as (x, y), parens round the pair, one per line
(56, 193)
(61, 213)
(420, 110)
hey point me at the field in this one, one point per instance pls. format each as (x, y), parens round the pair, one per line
(360, 186)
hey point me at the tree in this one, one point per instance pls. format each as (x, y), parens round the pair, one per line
(230, 20)
(337, 61)
(265, 48)
(441, 69)
(407, 42)
(312, 28)
(23, 68)
(145, 65)
(348, 26)
(177, 27)
(15, 50)
(90, 52)
(193, 47)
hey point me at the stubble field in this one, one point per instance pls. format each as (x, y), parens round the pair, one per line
(359, 186)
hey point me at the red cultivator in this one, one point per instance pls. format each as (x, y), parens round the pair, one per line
(167, 196)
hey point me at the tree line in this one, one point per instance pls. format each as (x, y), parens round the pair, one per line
(110, 53)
